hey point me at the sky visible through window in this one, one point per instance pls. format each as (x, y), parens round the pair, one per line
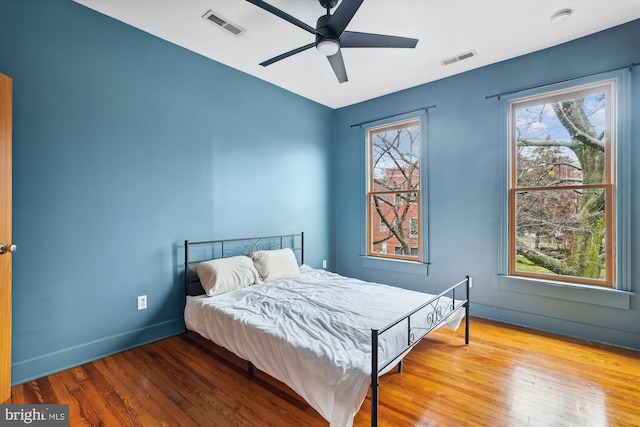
(539, 123)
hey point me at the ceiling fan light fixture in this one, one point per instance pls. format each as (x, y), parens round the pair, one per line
(328, 47)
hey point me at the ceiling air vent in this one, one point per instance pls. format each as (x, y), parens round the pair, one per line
(460, 57)
(221, 22)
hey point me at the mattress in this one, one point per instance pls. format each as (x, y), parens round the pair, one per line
(312, 331)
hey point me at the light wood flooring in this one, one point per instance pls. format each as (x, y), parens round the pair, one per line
(506, 376)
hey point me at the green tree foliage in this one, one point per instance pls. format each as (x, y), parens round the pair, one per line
(562, 231)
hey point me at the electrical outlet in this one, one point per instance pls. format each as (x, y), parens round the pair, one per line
(324, 263)
(142, 302)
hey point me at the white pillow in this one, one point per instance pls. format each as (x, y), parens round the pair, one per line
(221, 275)
(274, 264)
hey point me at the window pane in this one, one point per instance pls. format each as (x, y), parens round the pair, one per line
(561, 232)
(399, 250)
(561, 143)
(414, 226)
(398, 211)
(393, 190)
(396, 158)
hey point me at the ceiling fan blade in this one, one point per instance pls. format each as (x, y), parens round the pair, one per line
(287, 54)
(274, 10)
(353, 39)
(343, 15)
(337, 63)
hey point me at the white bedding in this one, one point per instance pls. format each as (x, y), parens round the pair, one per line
(312, 331)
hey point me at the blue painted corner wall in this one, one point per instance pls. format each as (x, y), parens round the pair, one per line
(465, 156)
(125, 145)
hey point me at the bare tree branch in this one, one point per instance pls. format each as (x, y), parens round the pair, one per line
(561, 109)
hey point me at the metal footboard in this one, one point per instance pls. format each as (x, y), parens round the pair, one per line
(435, 318)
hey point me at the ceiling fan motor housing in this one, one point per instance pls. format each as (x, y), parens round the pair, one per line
(325, 32)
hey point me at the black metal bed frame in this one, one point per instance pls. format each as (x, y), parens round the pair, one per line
(245, 246)
(242, 246)
(435, 318)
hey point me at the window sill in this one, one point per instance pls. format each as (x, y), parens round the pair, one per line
(399, 266)
(577, 293)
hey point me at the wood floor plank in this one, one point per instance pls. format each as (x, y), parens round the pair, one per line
(165, 408)
(65, 384)
(113, 403)
(232, 371)
(128, 391)
(507, 376)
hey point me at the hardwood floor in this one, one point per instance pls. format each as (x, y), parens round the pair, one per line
(507, 376)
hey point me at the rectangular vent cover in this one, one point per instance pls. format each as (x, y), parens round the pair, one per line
(460, 57)
(222, 22)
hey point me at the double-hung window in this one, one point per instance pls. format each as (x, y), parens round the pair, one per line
(394, 190)
(562, 185)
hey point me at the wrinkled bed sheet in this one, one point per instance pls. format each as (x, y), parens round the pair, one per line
(312, 331)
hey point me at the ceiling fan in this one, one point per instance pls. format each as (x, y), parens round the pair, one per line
(331, 35)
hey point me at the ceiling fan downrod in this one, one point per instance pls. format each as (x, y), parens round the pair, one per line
(328, 4)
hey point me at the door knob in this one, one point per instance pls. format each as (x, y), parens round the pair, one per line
(4, 248)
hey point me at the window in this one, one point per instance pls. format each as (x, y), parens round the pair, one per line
(399, 250)
(393, 190)
(414, 227)
(562, 185)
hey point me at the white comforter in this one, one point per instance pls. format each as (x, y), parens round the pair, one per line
(312, 331)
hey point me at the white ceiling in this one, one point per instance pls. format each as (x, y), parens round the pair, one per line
(495, 29)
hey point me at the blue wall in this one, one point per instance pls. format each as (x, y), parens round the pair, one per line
(124, 146)
(466, 154)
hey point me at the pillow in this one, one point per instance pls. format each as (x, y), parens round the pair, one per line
(274, 264)
(221, 275)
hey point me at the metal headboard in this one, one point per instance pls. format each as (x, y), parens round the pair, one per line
(196, 252)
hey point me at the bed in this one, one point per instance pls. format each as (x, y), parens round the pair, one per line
(326, 336)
